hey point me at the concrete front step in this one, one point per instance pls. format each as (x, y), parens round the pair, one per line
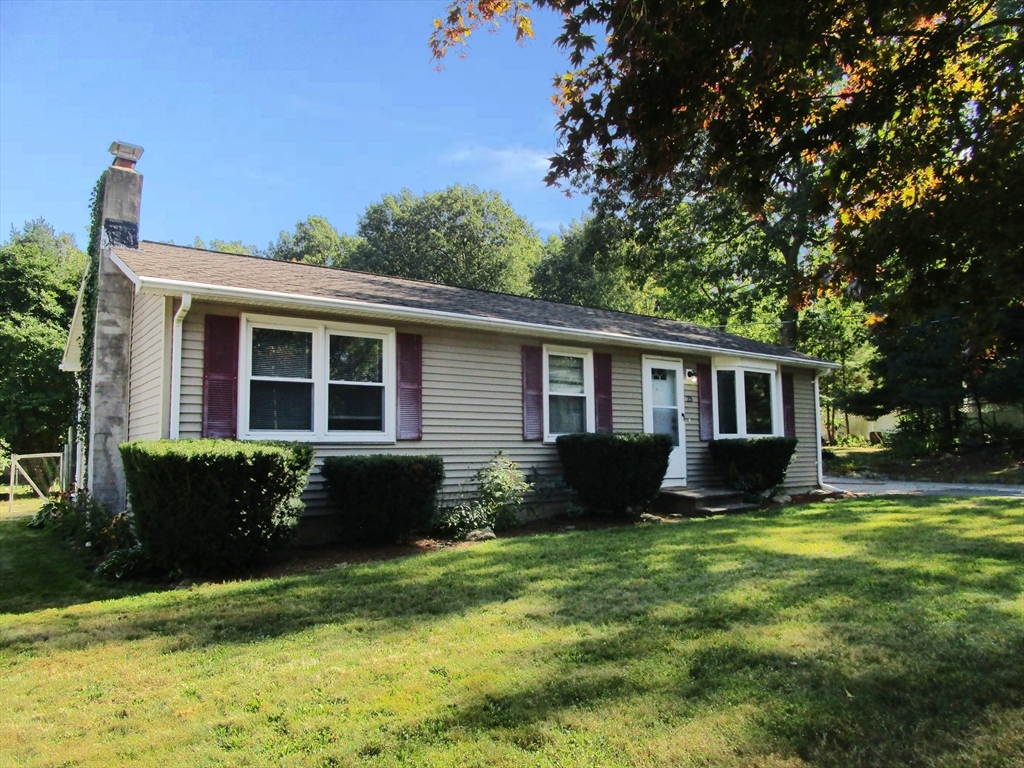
(700, 502)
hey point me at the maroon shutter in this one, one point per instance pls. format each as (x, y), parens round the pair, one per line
(533, 393)
(706, 410)
(220, 377)
(788, 407)
(410, 386)
(603, 391)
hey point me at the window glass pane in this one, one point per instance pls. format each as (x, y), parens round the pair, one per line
(355, 409)
(666, 422)
(727, 402)
(663, 387)
(282, 354)
(281, 405)
(567, 414)
(757, 390)
(565, 374)
(356, 359)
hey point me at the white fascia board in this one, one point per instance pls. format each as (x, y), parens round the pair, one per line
(71, 360)
(201, 291)
(129, 273)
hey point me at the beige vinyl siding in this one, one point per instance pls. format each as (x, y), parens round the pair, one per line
(146, 380)
(627, 391)
(472, 403)
(803, 471)
(700, 471)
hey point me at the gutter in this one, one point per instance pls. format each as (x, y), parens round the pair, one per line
(163, 286)
(179, 318)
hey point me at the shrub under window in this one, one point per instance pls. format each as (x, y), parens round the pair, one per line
(207, 506)
(753, 465)
(615, 471)
(381, 499)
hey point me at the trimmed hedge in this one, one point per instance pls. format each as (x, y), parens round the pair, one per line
(614, 471)
(753, 464)
(381, 499)
(208, 506)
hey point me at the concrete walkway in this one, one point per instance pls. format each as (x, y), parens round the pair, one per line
(915, 488)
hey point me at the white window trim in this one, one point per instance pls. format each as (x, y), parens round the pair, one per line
(588, 385)
(321, 330)
(740, 366)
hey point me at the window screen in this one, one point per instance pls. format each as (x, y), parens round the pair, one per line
(567, 400)
(355, 398)
(281, 386)
(757, 393)
(727, 424)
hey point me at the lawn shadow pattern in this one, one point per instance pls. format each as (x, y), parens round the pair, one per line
(901, 668)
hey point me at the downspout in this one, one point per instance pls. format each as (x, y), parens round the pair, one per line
(179, 318)
(817, 427)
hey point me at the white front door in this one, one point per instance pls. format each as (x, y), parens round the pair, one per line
(663, 411)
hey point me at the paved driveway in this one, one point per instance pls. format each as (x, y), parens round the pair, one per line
(900, 487)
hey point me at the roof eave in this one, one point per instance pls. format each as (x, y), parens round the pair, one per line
(202, 291)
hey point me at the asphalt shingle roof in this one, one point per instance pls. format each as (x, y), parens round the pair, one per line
(199, 267)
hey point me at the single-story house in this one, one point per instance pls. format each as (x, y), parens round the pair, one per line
(196, 343)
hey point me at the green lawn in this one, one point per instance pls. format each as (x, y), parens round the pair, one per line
(855, 633)
(26, 503)
(987, 465)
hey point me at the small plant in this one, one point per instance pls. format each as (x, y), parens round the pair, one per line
(80, 518)
(500, 489)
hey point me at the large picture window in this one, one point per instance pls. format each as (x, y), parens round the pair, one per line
(746, 401)
(310, 380)
(568, 391)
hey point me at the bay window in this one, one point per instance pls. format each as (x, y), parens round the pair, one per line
(568, 391)
(312, 380)
(747, 403)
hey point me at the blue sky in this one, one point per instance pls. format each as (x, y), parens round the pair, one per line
(256, 115)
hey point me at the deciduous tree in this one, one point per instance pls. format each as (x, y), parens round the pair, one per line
(457, 236)
(40, 272)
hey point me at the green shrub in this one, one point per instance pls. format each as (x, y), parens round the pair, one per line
(500, 488)
(614, 472)
(381, 498)
(209, 506)
(81, 519)
(753, 465)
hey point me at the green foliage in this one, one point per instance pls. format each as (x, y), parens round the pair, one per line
(836, 329)
(593, 263)
(315, 241)
(753, 465)
(458, 236)
(381, 499)
(90, 291)
(227, 246)
(499, 498)
(82, 520)
(209, 506)
(40, 272)
(614, 472)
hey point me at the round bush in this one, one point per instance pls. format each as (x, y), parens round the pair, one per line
(614, 472)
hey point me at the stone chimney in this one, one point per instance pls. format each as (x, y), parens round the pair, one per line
(108, 400)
